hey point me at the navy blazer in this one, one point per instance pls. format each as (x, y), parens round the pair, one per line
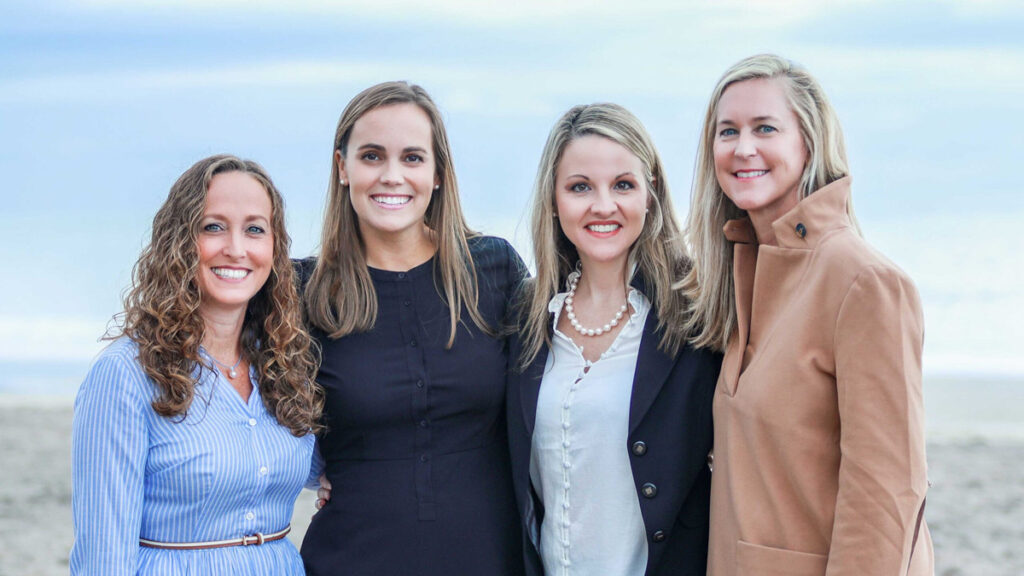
(670, 436)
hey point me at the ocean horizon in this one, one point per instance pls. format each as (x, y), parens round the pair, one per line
(958, 408)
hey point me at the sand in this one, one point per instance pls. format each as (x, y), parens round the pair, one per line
(975, 506)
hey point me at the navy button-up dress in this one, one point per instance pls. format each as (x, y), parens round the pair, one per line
(417, 449)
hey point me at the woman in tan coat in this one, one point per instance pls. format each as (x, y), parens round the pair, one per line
(819, 463)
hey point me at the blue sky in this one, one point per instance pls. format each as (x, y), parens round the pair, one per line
(103, 103)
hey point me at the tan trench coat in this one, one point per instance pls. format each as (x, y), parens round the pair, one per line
(819, 423)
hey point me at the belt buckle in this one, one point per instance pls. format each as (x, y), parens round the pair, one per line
(256, 539)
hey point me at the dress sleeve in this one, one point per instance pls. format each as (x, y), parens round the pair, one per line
(882, 471)
(517, 271)
(109, 445)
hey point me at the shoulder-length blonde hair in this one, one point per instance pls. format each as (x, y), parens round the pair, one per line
(340, 298)
(161, 309)
(658, 254)
(709, 283)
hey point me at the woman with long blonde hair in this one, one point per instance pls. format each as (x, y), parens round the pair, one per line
(193, 432)
(819, 424)
(406, 302)
(609, 406)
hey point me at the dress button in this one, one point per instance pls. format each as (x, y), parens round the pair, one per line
(401, 275)
(639, 448)
(424, 458)
(263, 470)
(649, 490)
(407, 302)
(424, 423)
(711, 461)
(658, 536)
(801, 230)
(413, 343)
(249, 516)
(419, 383)
(252, 421)
(565, 425)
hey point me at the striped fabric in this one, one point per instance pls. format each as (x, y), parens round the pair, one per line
(227, 470)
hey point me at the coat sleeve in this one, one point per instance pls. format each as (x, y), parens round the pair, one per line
(109, 445)
(882, 471)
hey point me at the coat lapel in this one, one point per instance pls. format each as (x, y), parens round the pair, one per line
(744, 260)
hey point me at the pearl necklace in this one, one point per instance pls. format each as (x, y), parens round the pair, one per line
(574, 280)
(230, 369)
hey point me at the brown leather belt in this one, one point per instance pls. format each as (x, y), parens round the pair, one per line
(253, 540)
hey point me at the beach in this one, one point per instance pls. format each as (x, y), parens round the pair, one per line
(975, 507)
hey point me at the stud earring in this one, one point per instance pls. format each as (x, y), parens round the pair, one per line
(437, 186)
(341, 181)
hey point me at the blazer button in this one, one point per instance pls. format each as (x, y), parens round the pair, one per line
(639, 448)
(711, 461)
(801, 230)
(649, 490)
(658, 536)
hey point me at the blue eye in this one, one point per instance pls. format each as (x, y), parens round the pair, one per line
(213, 227)
(414, 158)
(728, 132)
(371, 156)
(624, 185)
(254, 229)
(579, 187)
(766, 129)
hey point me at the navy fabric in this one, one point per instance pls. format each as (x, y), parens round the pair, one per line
(416, 448)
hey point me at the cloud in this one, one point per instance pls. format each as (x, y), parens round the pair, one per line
(476, 12)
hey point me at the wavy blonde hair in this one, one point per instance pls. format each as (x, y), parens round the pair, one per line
(161, 309)
(658, 254)
(709, 284)
(340, 298)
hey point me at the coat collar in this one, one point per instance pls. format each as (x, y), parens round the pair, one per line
(803, 227)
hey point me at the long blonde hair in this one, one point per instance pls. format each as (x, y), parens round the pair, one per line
(161, 309)
(340, 298)
(658, 254)
(709, 284)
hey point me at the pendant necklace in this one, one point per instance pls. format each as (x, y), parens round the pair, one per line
(230, 369)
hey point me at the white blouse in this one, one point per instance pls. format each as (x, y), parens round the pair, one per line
(579, 462)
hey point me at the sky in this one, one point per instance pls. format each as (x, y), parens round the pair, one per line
(103, 103)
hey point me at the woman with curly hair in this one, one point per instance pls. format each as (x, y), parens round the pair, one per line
(193, 432)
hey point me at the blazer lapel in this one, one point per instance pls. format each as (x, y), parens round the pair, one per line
(529, 387)
(652, 369)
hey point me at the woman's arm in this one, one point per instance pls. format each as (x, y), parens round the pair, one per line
(109, 444)
(882, 472)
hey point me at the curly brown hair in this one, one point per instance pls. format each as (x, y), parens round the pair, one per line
(161, 309)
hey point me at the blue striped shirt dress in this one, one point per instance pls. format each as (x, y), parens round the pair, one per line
(226, 470)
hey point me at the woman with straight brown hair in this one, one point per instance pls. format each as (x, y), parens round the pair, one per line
(406, 302)
(819, 423)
